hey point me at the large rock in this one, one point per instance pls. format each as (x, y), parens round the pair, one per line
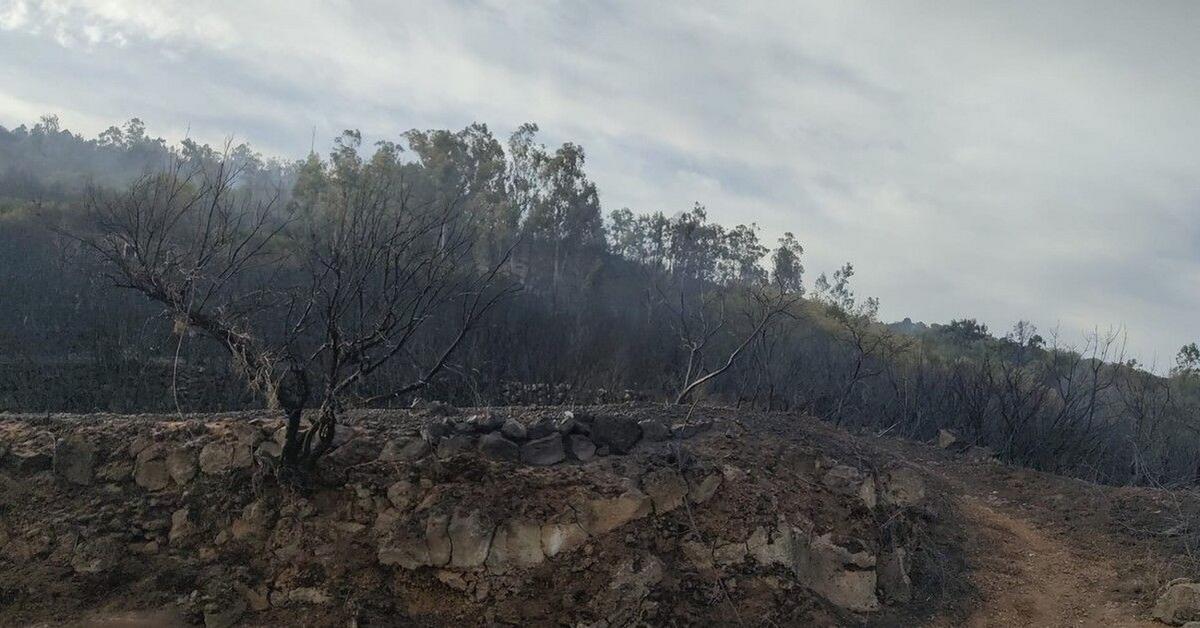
(603, 515)
(455, 445)
(74, 459)
(902, 487)
(892, 574)
(666, 489)
(654, 430)
(1179, 604)
(404, 450)
(542, 428)
(152, 475)
(497, 447)
(513, 429)
(845, 578)
(544, 451)
(216, 457)
(582, 447)
(470, 539)
(946, 439)
(516, 544)
(181, 464)
(618, 433)
(437, 539)
(851, 482)
(561, 537)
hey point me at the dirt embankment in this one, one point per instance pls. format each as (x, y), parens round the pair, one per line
(604, 516)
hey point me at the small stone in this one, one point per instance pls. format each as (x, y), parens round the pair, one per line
(513, 429)
(452, 579)
(946, 439)
(582, 447)
(497, 447)
(181, 526)
(74, 459)
(257, 600)
(544, 451)
(308, 595)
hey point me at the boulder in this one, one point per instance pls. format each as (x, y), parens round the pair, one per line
(582, 447)
(495, 446)
(401, 494)
(558, 538)
(516, 544)
(405, 450)
(544, 451)
(618, 433)
(513, 429)
(845, 578)
(216, 457)
(485, 422)
(654, 430)
(436, 429)
(1179, 604)
(542, 428)
(902, 487)
(181, 465)
(946, 439)
(892, 576)
(682, 431)
(666, 489)
(152, 475)
(603, 515)
(454, 445)
(470, 539)
(437, 539)
(74, 459)
(846, 480)
(705, 489)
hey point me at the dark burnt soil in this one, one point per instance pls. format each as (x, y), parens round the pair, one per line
(312, 559)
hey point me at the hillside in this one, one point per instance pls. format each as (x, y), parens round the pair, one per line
(604, 516)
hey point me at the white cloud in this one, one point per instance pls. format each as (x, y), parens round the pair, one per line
(1001, 161)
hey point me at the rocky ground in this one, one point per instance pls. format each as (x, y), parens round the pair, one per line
(600, 516)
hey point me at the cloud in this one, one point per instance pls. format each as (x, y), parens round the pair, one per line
(1015, 160)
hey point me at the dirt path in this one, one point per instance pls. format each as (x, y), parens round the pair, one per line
(1030, 577)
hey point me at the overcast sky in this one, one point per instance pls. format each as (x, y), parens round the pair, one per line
(1001, 161)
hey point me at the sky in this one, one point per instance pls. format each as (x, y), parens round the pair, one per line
(999, 161)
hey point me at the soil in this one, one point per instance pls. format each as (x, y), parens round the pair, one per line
(990, 544)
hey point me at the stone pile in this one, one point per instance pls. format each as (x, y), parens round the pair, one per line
(547, 441)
